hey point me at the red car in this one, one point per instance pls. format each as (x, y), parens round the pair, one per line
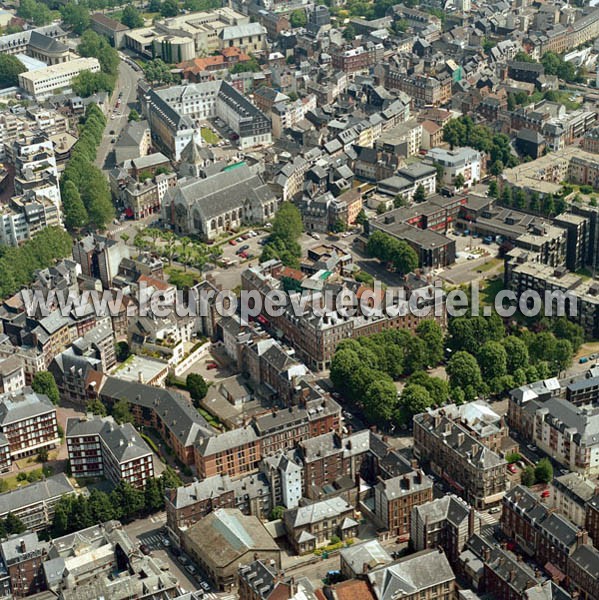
(243, 255)
(545, 494)
(512, 469)
(211, 365)
(232, 243)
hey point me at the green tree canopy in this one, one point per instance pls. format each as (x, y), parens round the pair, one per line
(131, 17)
(543, 471)
(298, 18)
(10, 68)
(44, 383)
(196, 386)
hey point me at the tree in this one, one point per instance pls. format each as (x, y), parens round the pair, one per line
(562, 355)
(349, 33)
(44, 383)
(96, 407)
(298, 18)
(527, 476)
(132, 17)
(420, 194)
(42, 455)
(169, 479)
(10, 68)
(121, 412)
(13, 524)
(169, 8)
(196, 386)
(543, 471)
(459, 181)
(516, 353)
(430, 332)
(100, 507)
(492, 360)
(416, 355)
(512, 457)
(133, 115)
(493, 189)
(130, 499)
(415, 399)
(464, 373)
(380, 401)
(153, 497)
(122, 351)
(157, 71)
(75, 16)
(435, 386)
(75, 215)
(154, 6)
(277, 513)
(287, 223)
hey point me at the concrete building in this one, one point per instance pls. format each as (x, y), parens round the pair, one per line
(42, 83)
(99, 257)
(114, 30)
(12, 375)
(23, 557)
(570, 494)
(100, 448)
(27, 422)
(466, 162)
(34, 503)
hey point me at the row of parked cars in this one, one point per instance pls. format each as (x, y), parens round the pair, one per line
(182, 559)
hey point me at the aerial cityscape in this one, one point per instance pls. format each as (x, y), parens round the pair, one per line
(299, 300)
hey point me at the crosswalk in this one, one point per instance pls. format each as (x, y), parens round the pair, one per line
(152, 540)
(488, 519)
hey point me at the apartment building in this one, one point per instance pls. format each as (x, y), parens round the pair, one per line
(539, 531)
(360, 58)
(425, 91)
(570, 494)
(457, 456)
(234, 453)
(172, 415)
(34, 503)
(428, 571)
(28, 422)
(466, 162)
(42, 43)
(285, 477)
(12, 374)
(312, 526)
(188, 504)
(395, 498)
(591, 521)
(45, 82)
(523, 275)
(101, 448)
(447, 523)
(23, 556)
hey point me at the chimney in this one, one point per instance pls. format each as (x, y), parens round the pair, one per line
(582, 538)
(22, 545)
(140, 377)
(471, 521)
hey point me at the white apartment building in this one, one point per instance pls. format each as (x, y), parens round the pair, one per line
(569, 434)
(45, 82)
(460, 161)
(284, 115)
(569, 495)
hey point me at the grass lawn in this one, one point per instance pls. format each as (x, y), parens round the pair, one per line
(211, 419)
(490, 290)
(209, 136)
(490, 264)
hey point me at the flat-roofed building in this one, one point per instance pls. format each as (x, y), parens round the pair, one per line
(59, 77)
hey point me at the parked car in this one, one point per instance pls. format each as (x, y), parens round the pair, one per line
(245, 247)
(211, 365)
(145, 549)
(183, 559)
(239, 240)
(205, 586)
(545, 494)
(165, 542)
(175, 551)
(494, 510)
(191, 569)
(243, 255)
(512, 469)
(232, 243)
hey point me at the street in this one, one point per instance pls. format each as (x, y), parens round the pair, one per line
(127, 85)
